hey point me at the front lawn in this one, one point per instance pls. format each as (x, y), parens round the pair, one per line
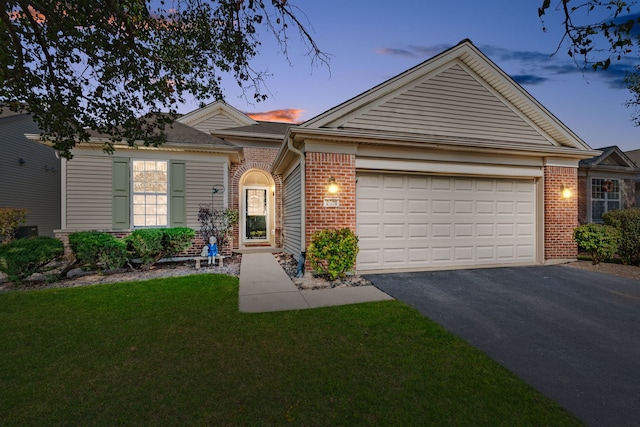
(177, 352)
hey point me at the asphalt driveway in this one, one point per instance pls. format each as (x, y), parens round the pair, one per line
(572, 334)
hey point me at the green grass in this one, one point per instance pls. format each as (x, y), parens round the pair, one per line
(177, 352)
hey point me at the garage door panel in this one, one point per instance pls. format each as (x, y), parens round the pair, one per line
(394, 206)
(417, 206)
(415, 221)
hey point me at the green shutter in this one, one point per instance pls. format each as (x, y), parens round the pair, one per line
(178, 199)
(120, 185)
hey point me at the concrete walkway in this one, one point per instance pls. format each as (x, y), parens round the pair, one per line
(264, 287)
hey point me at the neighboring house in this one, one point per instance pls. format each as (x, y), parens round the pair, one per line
(606, 182)
(449, 164)
(634, 155)
(29, 175)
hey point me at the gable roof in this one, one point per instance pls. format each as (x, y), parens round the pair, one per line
(215, 116)
(180, 137)
(612, 158)
(178, 134)
(456, 97)
(634, 156)
(271, 131)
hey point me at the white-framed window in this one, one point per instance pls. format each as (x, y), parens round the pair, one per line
(149, 183)
(606, 196)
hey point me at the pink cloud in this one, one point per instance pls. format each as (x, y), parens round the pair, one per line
(288, 115)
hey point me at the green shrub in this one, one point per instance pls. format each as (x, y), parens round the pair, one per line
(10, 220)
(600, 241)
(333, 252)
(177, 239)
(97, 250)
(21, 258)
(627, 221)
(153, 244)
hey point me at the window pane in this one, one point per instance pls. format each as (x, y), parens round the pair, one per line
(138, 220)
(150, 193)
(256, 202)
(596, 188)
(597, 209)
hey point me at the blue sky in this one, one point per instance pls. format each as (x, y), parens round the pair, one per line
(369, 42)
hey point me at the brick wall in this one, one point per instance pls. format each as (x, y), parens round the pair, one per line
(628, 193)
(255, 158)
(319, 168)
(560, 215)
(583, 197)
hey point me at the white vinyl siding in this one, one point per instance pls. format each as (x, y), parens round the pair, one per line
(452, 104)
(292, 213)
(201, 177)
(216, 122)
(420, 221)
(89, 193)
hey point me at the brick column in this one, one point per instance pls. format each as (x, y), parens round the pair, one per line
(319, 167)
(560, 215)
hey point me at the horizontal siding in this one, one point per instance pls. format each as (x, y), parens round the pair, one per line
(217, 122)
(201, 177)
(292, 212)
(34, 185)
(89, 193)
(450, 104)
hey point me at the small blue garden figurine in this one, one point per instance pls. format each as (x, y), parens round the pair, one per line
(213, 249)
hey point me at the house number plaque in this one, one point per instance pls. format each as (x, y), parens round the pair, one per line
(331, 202)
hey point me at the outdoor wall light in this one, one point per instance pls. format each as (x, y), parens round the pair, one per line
(21, 161)
(333, 187)
(566, 192)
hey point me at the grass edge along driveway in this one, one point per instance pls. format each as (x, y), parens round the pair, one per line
(176, 351)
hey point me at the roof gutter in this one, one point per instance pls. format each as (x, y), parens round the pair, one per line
(303, 199)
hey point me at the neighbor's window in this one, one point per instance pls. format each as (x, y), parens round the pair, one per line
(605, 197)
(150, 193)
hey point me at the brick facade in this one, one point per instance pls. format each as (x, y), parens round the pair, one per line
(560, 215)
(319, 168)
(628, 193)
(262, 159)
(583, 201)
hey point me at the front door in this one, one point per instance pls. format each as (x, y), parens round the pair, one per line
(256, 209)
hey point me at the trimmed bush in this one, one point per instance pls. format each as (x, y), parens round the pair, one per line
(600, 241)
(153, 244)
(627, 221)
(21, 258)
(333, 252)
(10, 220)
(98, 251)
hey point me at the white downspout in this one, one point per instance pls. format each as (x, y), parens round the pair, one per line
(63, 193)
(303, 199)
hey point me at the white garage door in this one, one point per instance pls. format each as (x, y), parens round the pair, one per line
(416, 221)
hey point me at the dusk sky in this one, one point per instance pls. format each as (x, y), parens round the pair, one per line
(370, 42)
